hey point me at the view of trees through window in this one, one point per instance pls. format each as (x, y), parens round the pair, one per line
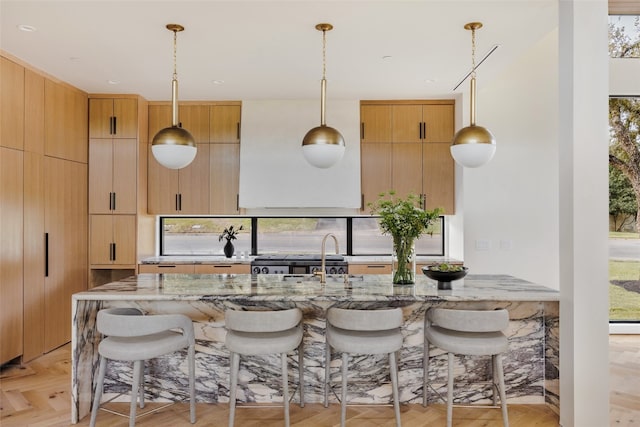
(624, 181)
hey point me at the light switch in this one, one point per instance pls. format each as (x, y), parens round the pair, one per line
(483, 245)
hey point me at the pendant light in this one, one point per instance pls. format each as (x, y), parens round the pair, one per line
(323, 146)
(174, 147)
(473, 146)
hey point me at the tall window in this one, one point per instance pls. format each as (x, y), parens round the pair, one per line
(624, 180)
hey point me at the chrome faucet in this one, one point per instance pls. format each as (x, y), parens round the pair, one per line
(323, 271)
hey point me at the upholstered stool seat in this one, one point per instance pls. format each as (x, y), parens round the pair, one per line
(253, 333)
(131, 336)
(363, 332)
(467, 332)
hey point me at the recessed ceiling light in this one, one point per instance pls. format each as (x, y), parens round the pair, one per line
(74, 58)
(217, 82)
(113, 82)
(27, 28)
(429, 81)
(387, 57)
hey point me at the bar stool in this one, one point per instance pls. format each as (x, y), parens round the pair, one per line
(467, 332)
(264, 332)
(363, 332)
(134, 337)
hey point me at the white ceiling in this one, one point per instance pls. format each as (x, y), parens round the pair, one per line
(265, 49)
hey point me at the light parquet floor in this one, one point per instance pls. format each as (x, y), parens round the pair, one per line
(38, 394)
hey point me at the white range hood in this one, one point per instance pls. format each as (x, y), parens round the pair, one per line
(273, 171)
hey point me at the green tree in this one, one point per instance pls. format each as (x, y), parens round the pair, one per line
(622, 202)
(624, 115)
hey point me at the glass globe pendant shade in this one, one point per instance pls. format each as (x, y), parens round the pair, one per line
(174, 147)
(473, 146)
(323, 147)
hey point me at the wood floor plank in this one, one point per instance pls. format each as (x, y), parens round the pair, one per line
(38, 394)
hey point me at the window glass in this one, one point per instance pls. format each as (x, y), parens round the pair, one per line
(624, 36)
(369, 240)
(300, 235)
(201, 236)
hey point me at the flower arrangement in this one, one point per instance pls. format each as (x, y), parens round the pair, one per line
(229, 233)
(405, 221)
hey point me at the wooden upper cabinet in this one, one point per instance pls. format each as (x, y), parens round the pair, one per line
(159, 118)
(224, 123)
(375, 171)
(407, 169)
(33, 112)
(65, 122)
(407, 123)
(113, 118)
(438, 122)
(113, 176)
(375, 123)
(11, 104)
(195, 119)
(224, 178)
(438, 180)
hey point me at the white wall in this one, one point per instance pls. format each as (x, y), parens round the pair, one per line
(623, 76)
(511, 203)
(273, 172)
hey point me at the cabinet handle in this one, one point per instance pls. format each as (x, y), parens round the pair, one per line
(361, 201)
(46, 254)
(112, 201)
(115, 125)
(179, 201)
(112, 251)
(110, 125)
(237, 201)
(424, 130)
(177, 206)
(376, 266)
(424, 201)
(166, 266)
(238, 131)
(419, 130)
(362, 130)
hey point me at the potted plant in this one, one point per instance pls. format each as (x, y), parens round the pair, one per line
(229, 234)
(405, 221)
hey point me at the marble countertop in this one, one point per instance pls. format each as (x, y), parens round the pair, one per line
(276, 287)
(218, 259)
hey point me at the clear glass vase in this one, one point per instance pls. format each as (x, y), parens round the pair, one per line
(403, 262)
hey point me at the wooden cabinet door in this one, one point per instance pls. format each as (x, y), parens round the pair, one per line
(100, 175)
(66, 225)
(407, 169)
(407, 122)
(438, 177)
(101, 240)
(33, 112)
(11, 104)
(159, 118)
(124, 237)
(193, 186)
(375, 171)
(65, 124)
(113, 118)
(11, 278)
(125, 176)
(224, 123)
(375, 123)
(34, 255)
(195, 119)
(224, 178)
(438, 122)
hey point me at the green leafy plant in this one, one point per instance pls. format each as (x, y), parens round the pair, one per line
(405, 221)
(229, 233)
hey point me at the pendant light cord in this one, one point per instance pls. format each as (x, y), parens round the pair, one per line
(473, 52)
(175, 55)
(324, 54)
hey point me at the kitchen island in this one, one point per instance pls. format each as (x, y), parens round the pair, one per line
(531, 365)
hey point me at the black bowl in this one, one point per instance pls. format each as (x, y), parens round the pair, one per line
(444, 278)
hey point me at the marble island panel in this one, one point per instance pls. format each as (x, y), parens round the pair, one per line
(530, 366)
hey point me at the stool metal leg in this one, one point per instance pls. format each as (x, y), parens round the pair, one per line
(450, 390)
(192, 382)
(234, 367)
(343, 403)
(503, 394)
(141, 388)
(327, 362)
(134, 391)
(98, 394)
(425, 374)
(494, 380)
(301, 371)
(285, 388)
(394, 385)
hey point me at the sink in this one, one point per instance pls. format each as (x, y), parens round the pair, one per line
(330, 278)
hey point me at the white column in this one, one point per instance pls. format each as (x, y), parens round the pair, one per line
(583, 173)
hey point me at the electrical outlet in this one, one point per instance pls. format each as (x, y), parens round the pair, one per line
(483, 245)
